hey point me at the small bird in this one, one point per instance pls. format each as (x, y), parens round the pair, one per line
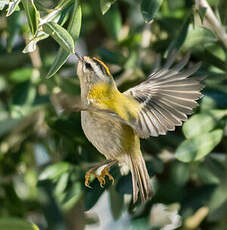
(114, 122)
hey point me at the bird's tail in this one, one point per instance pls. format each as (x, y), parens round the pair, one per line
(140, 178)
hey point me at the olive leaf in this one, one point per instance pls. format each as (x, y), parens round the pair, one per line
(60, 35)
(74, 30)
(12, 7)
(32, 15)
(105, 5)
(149, 9)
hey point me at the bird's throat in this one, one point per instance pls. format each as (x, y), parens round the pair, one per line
(106, 96)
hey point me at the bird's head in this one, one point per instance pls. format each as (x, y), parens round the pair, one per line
(92, 71)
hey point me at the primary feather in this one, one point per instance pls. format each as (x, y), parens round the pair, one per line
(166, 97)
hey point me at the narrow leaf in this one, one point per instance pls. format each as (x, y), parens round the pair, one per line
(74, 31)
(31, 46)
(32, 15)
(180, 37)
(3, 3)
(62, 183)
(116, 203)
(105, 5)
(60, 35)
(149, 8)
(14, 24)
(54, 171)
(12, 7)
(111, 21)
(199, 38)
(62, 4)
(197, 147)
(202, 11)
(59, 15)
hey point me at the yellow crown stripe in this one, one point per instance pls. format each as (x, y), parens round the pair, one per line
(104, 65)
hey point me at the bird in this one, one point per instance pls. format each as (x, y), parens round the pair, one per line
(114, 121)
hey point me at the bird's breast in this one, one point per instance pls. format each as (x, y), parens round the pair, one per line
(107, 97)
(111, 137)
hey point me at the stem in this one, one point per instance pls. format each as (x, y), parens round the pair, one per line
(34, 56)
(213, 21)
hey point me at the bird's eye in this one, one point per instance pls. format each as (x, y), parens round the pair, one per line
(88, 66)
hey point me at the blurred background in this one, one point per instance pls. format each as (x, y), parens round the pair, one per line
(44, 153)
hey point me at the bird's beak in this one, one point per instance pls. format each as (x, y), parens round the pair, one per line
(79, 57)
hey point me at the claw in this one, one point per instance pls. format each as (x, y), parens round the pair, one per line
(105, 172)
(101, 180)
(87, 178)
(101, 177)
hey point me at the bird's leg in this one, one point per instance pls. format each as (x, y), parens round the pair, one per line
(105, 167)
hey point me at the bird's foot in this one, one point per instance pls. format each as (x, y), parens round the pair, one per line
(88, 175)
(100, 176)
(105, 172)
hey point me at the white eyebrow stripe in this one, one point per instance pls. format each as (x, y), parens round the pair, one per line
(97, 70)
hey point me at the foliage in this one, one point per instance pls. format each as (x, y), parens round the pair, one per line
(43, 151)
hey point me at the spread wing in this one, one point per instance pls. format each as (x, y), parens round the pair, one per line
(166, 97)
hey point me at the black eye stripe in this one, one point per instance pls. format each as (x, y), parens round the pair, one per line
(88, 65)
(100, 65)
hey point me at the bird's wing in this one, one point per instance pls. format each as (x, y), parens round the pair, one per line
(166, 97)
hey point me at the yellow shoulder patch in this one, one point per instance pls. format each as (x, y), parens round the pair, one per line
(103, 64)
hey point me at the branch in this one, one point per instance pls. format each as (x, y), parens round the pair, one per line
(212, 21)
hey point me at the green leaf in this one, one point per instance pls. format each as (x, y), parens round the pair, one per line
(59, 15)
(13, 23)
(21, 75)
(60, 12)
(111, 21)
(201, 11)
(3, 3)
(74, 31)
(62, 4)
(12, 7)
(110, 56)
(149, 8)
(180, 37)
(31, 46)
(54, 171)
(180, 173)
(62, 183)
(175, 5)
(199, 38)
(60, 35)
(116, 203)
(197, 147)
(207, 176)
(105, 5)
(32, 15)
(22, 99)
(12, 223)
(202, 123)
(72, 195)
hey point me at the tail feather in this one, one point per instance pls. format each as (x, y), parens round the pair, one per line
(140, 178)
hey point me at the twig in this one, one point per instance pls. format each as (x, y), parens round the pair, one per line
(213, 21)
(35, 56)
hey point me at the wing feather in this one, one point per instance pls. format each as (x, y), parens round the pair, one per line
(167, 97)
